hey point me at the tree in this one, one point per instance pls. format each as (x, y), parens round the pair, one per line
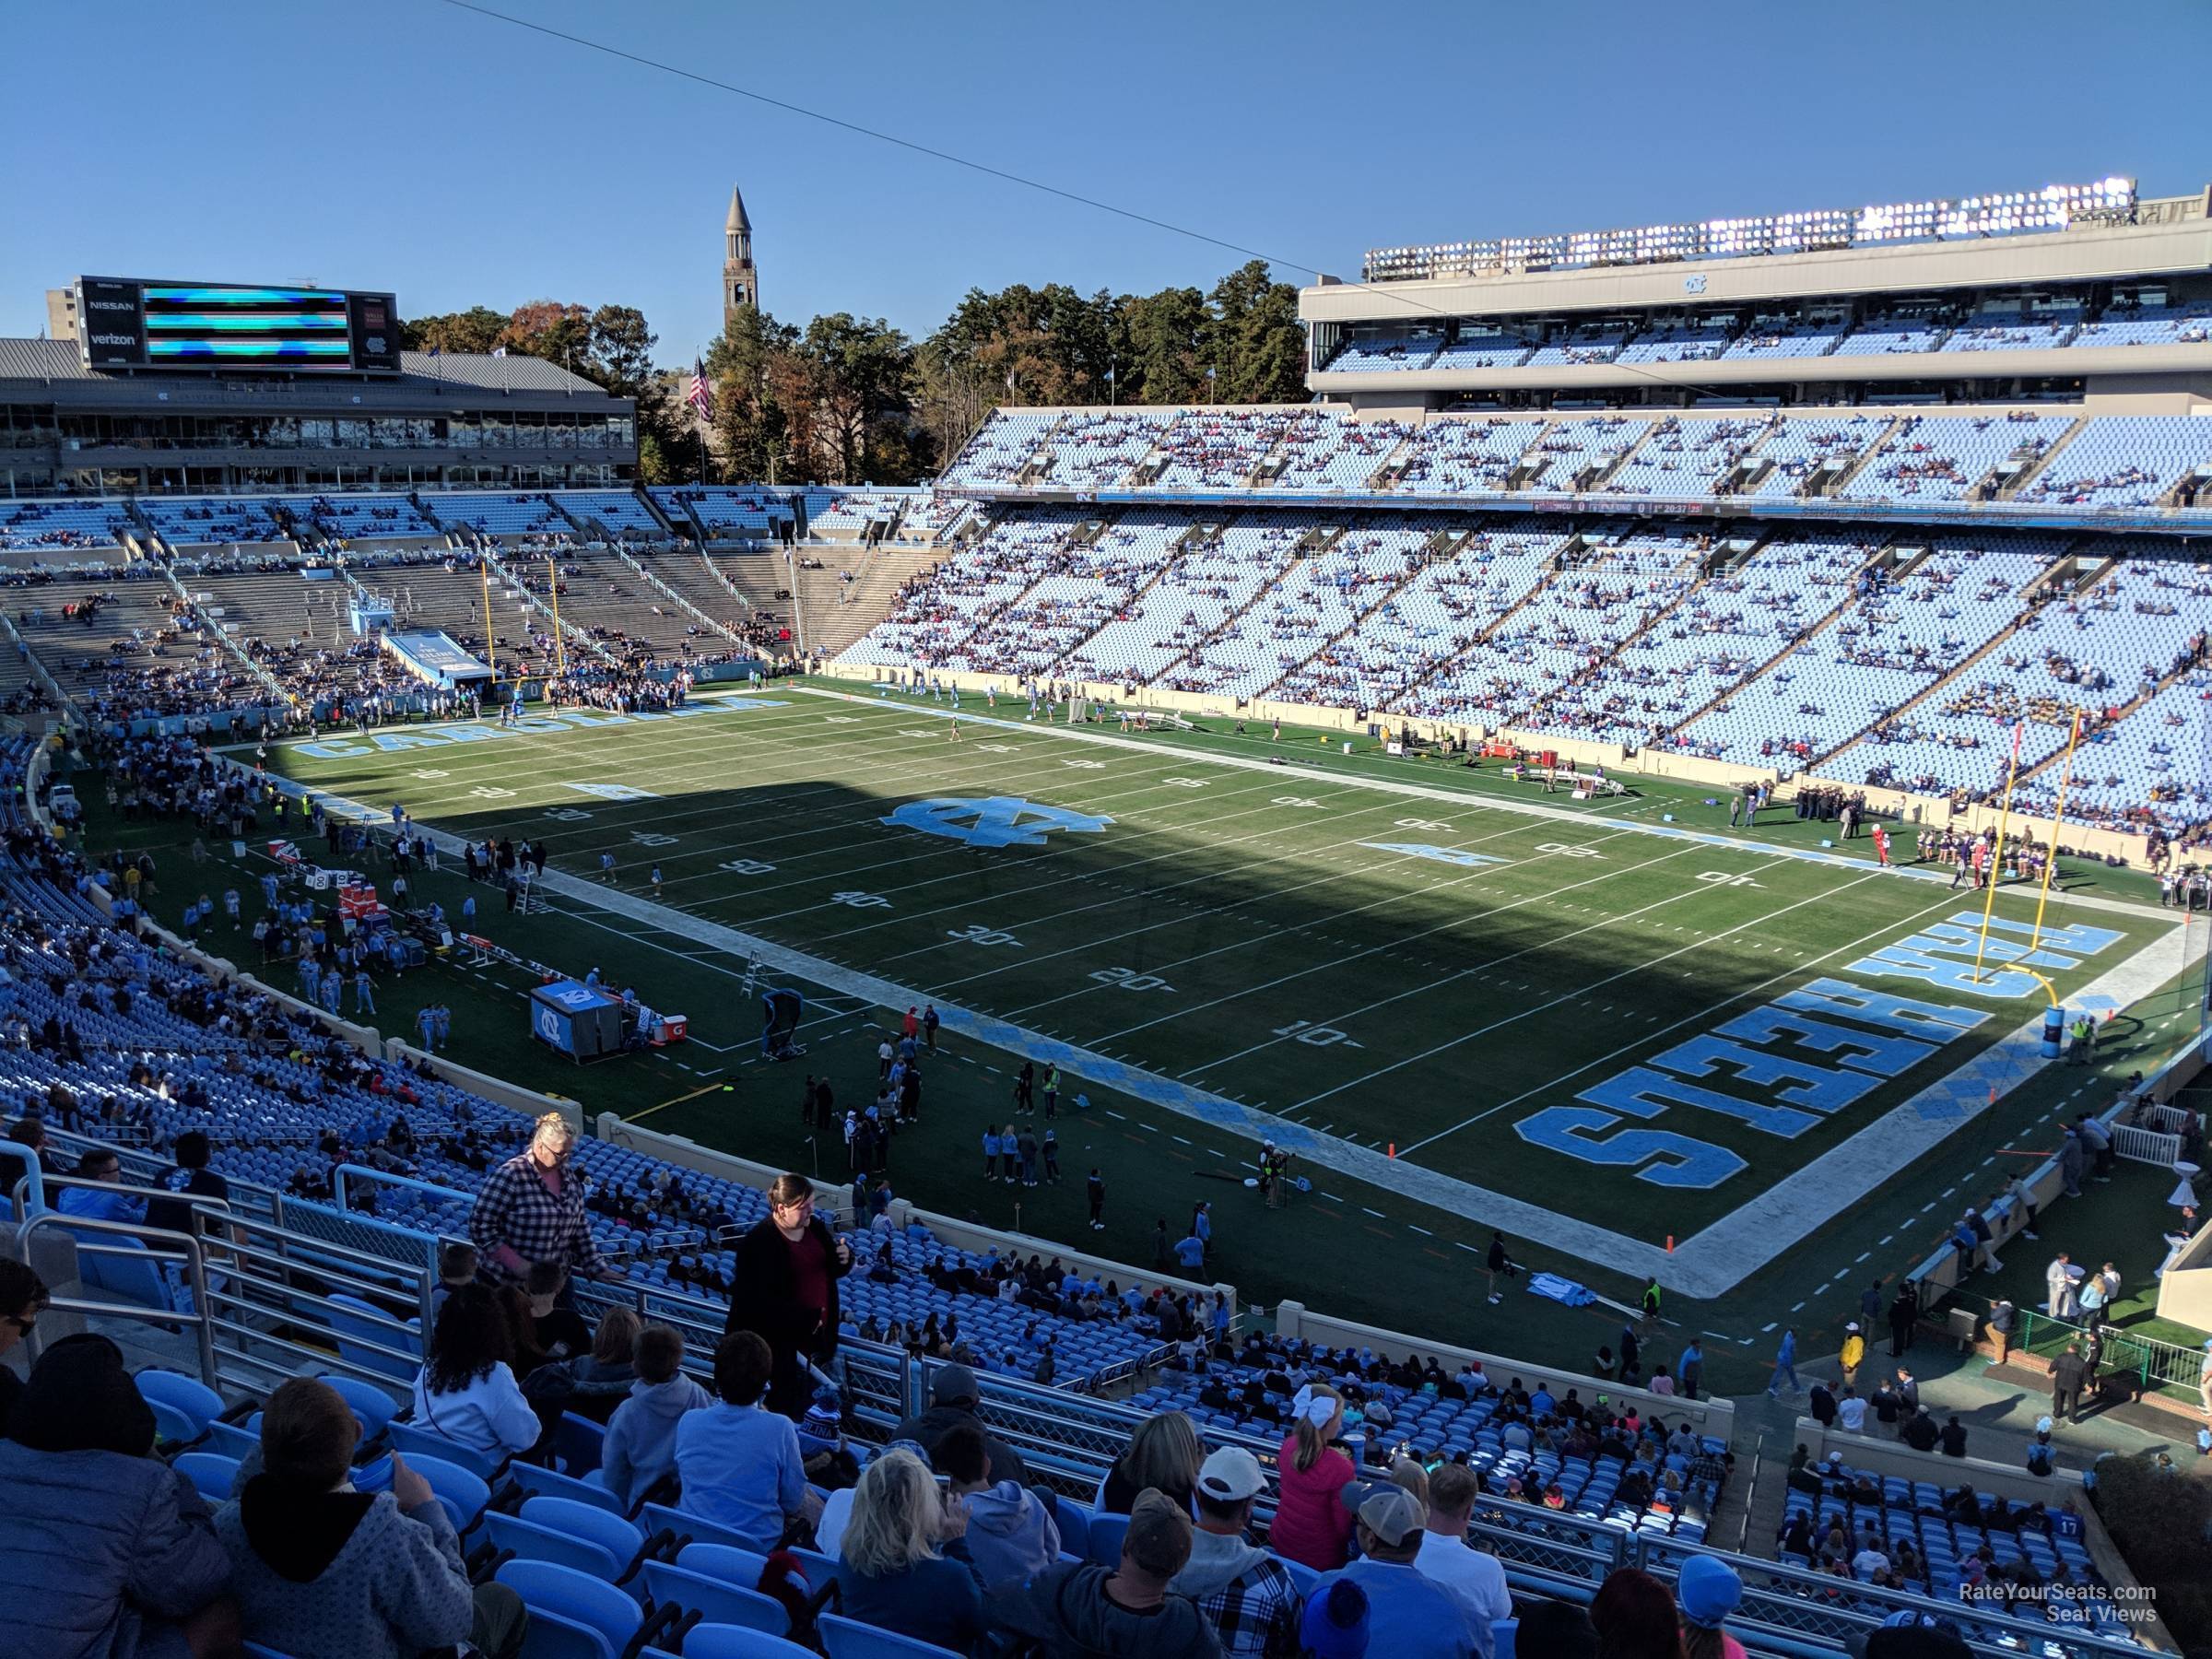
(1254, 338)
(863, 381)
(549, 329)
(475, 330)
(1163, 357)
(620, 357)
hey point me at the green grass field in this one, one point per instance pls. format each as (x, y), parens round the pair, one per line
(1417, 975)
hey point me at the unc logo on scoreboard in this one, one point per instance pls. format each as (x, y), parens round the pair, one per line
(994, 822)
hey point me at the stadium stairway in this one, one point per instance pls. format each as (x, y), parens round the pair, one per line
(646, 573)
(834, 614)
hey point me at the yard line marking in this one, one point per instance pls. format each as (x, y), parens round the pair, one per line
(1422, 1230)
(1765, 1328)
(1794, 1306)
(1376, 1213)
(1863, 1255)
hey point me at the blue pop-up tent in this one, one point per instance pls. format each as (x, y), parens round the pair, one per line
(577, 1020)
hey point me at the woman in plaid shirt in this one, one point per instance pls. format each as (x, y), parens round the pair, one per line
(531, 1210)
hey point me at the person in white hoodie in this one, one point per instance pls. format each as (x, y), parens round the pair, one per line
(467, 1392)
(1009, 1534)
(640, 1437)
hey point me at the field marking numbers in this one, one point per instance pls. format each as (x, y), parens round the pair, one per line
(653, 838)
(1129, 978)
(1306, 1031)
(978, 933)
(1726, 878)
(745, 867)
(1184, 782)
(860, 901)
(488, 791)
(430, 772)
(1303, 802)
(1086, 765)
(569, 815)
(1562, 849)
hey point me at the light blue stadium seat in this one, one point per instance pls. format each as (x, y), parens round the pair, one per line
(1104, 1545)
(718, 1600)
(572, 1617)
(465, 1493)
(412, 1441)
(212, 1473)
(684, 1524)
(849, 1639)
(190, 1404)
(536, 1479)
(739, 1641)
(373, 1407)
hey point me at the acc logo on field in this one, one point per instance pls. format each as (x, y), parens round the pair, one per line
(1450, 855)
(995, 821)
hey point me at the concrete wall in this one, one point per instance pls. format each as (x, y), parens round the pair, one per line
(1711, 1416)
(1886, 1457)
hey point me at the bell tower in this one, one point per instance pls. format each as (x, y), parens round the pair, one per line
(740, 279)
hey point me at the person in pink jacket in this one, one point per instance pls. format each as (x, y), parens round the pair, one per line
(1312, 1520)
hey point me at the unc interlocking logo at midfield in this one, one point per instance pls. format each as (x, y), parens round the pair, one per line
(992, 821)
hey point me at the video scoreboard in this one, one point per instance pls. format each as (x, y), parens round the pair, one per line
(125, 322)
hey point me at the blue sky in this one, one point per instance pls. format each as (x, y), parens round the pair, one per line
(454, 161)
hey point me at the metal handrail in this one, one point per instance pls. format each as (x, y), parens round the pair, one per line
(186, 1254)
(1797, 1601)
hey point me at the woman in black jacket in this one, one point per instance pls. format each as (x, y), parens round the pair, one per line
(785, 1289)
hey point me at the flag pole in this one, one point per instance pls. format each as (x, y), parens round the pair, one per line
(2057, 823)
(1996, 857)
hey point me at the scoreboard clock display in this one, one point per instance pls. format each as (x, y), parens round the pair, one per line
(125, 322)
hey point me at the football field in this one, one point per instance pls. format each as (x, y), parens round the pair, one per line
(1600, 1031)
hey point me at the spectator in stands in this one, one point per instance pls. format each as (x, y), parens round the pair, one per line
(894, 1576)
(593, 1383)
(1953, 1436)
(783, 1289)
(29, 1132)
(1081, 1610)
(639, 1452)
(739, 1464)
(1473, 1577)
(953, 1398)
(1635, 1617)
(1009, 1536)
(531, 1209)
(1408, 1612)
(1708, 1589)
(1335, 1626)
(188, 1178)
(105, 1551)
(1556, 1630)
(110, 1201)
(1164, 1455)
(467, 1392)
(1316, 1503)
(22, 1299)
(319, 1567)
(456, 1268)
(1245, 1593)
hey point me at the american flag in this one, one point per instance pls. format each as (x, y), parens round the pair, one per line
(702, 395)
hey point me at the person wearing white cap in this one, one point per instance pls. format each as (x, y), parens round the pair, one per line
(1244, 1593)
(1408, 1612)
(1855, 1351)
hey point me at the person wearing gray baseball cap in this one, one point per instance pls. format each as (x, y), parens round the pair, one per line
(953, 1396)
(1407, 1611)
(1244, 1592)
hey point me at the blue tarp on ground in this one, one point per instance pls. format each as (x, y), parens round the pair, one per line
(1560, 1291)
